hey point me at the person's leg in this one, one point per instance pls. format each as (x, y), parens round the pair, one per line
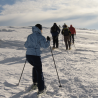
(36, 62)
(53, 41)
(65, 39)
(38, 67)
(73, 38)
(70, 39)
(69, 43)
(34, 73)
(57, 44)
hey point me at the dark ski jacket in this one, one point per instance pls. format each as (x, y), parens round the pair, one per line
(57, 31)
(66, 32)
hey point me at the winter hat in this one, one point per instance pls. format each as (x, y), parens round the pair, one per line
(65, 25)
(54, 24)
(70, 25)
(39, 26)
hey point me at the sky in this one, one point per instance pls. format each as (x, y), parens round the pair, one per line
(81, 14)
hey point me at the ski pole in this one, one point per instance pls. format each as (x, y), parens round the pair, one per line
(62, 39)
(22, 73)
(56, 68)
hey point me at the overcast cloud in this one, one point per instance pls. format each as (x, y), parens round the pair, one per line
(82, 14)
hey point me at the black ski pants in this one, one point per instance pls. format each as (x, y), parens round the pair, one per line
(72, 35)
(37, 74)
(55, 41)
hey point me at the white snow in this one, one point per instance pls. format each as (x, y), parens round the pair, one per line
(77, 68)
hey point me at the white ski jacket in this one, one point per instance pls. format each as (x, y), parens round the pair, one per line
(35, 41)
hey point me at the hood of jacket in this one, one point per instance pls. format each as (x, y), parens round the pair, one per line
(35, 41)
(36, 30)
(70, 25)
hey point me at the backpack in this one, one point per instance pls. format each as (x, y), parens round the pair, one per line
(54, 29)
(66, 32)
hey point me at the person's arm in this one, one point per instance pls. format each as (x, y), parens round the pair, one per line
(50, 30)
(75, 31)
(62, 32)
(44, 43)
(58, 30)
(26, 43)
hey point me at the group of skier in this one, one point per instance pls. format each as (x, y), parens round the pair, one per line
(67, 32)
(33, 44)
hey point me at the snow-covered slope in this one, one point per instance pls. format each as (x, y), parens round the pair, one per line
(77, 68)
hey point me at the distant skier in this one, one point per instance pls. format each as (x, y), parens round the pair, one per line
(66, 33)
(55, 33)
(33, 44)
(64, 25)
(59, 26)
(73, 31)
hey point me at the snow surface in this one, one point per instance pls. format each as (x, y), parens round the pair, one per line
(77, 68)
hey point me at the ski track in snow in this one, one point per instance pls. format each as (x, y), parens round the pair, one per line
(77, 68)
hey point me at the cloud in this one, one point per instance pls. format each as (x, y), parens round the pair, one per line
(28, 12)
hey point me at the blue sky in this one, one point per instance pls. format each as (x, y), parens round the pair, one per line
(81, 14)
(4, 2)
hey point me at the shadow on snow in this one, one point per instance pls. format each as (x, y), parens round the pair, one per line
(16, 44)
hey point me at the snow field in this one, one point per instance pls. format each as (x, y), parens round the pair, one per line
(77, 68)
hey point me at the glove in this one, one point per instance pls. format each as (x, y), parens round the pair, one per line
(48, 38)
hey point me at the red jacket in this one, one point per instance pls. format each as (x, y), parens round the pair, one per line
(72, 29)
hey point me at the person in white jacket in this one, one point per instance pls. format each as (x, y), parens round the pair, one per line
(33, 44)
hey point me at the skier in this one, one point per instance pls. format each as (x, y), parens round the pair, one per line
(73, 31)
(55, 33)
(59, 26)
(64, 25)
(33, 44)
(66, 33)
